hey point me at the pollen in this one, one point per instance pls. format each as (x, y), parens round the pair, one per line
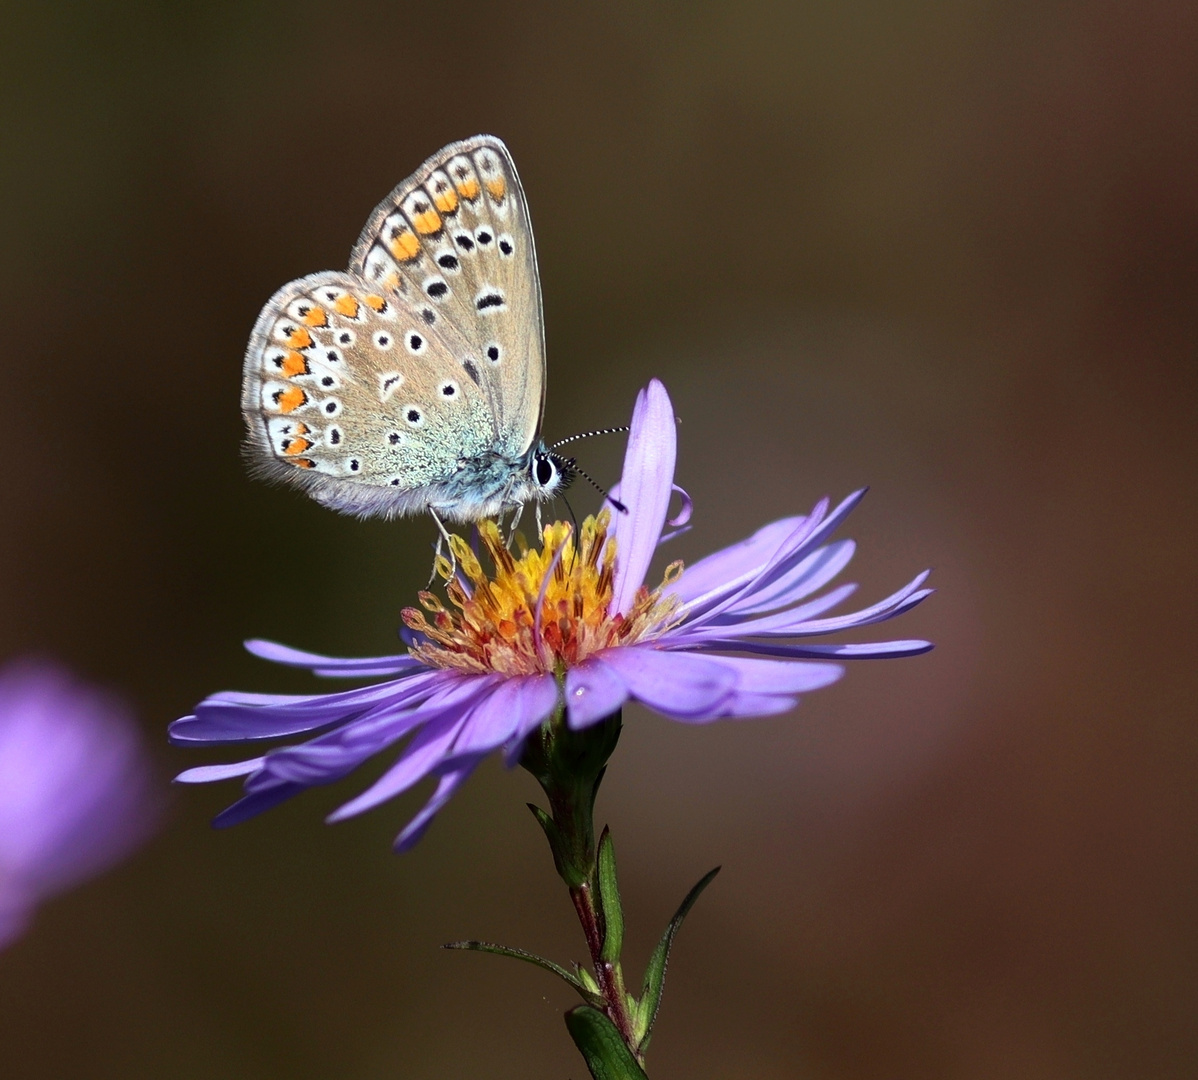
(537, 611)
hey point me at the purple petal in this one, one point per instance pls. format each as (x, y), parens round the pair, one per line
(516, 707)
(450, 782)
(778, 676)
(730, 591)
(645, 487)
(332, 666)
(256, 803)
(673, 683)
(593, 692)
(732, 562)
(876, 650)
(230, 718)
(742, 705)
(420, 757)
(809, 576)
(204, 774)
(684, 511)
(730, 623)
(794, 623)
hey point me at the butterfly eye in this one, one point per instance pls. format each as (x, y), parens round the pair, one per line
(544, 471)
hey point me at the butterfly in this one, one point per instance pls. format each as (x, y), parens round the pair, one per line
(415, 380)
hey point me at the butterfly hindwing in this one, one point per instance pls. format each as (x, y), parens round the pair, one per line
(454, 242)
(354, 397)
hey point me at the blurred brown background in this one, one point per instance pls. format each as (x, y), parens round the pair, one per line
(946, 249)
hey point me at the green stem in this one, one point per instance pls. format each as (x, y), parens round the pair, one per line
(569, 766)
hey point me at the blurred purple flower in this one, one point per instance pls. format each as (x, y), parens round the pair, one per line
(571, 625)
(75, 786)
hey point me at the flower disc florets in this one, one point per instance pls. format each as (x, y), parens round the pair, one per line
(538, 611)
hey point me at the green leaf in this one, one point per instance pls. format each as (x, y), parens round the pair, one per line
(609, 901)
(530, 958)
(607, 1057)
(655, 974)
(588, 980)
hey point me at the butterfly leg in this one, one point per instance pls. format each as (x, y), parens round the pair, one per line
(442, 539)
(517, 514)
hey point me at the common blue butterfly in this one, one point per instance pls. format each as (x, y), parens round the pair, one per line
(415, 380)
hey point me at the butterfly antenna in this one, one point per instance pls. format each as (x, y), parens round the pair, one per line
(589, 435)
(599, 488)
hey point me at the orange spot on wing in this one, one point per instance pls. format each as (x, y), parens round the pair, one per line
(347, 306)
(294, 364)
(468, 189)
(291, 398)
(301, 429)
(304, 463)
(405, 246)
(392, 280)
(446, 201)
(497, 186)
(376, 302)
(296, 446)
(316, 317)
(299, 338)
(426, 222)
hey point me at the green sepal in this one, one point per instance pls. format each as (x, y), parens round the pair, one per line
(609, 900)
(655, 973)
(559, 849)
(607, 1057)
(586, 993)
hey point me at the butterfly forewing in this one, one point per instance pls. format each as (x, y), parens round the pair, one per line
(454, 242)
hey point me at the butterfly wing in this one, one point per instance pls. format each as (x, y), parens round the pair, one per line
(354, 396)
(454, 240)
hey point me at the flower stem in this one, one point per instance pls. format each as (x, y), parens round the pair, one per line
(569, 766)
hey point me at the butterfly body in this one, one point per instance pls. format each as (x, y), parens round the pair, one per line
(413, 381)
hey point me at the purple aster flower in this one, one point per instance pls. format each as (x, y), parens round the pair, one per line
(75, 786)
(570, 626)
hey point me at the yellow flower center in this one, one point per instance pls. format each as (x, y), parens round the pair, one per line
(540, 611)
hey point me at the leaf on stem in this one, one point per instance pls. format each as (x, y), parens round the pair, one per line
(655, 974)
(531, 958)
(609, 901)
(607, 1057)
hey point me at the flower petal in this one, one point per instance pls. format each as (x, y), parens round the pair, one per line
(796, 623)
(256, 803)
(742, 705)
(515, 708)
(716, 570)
(593, 692)
(645, 488)
(778, 676)
(450, 782)
(875, 650)
(673, 683)
(809, 576)
(329, 665)
(420, 757)
(231, 718)
(204, 774)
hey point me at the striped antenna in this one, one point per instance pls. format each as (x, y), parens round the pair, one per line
(588, 435)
